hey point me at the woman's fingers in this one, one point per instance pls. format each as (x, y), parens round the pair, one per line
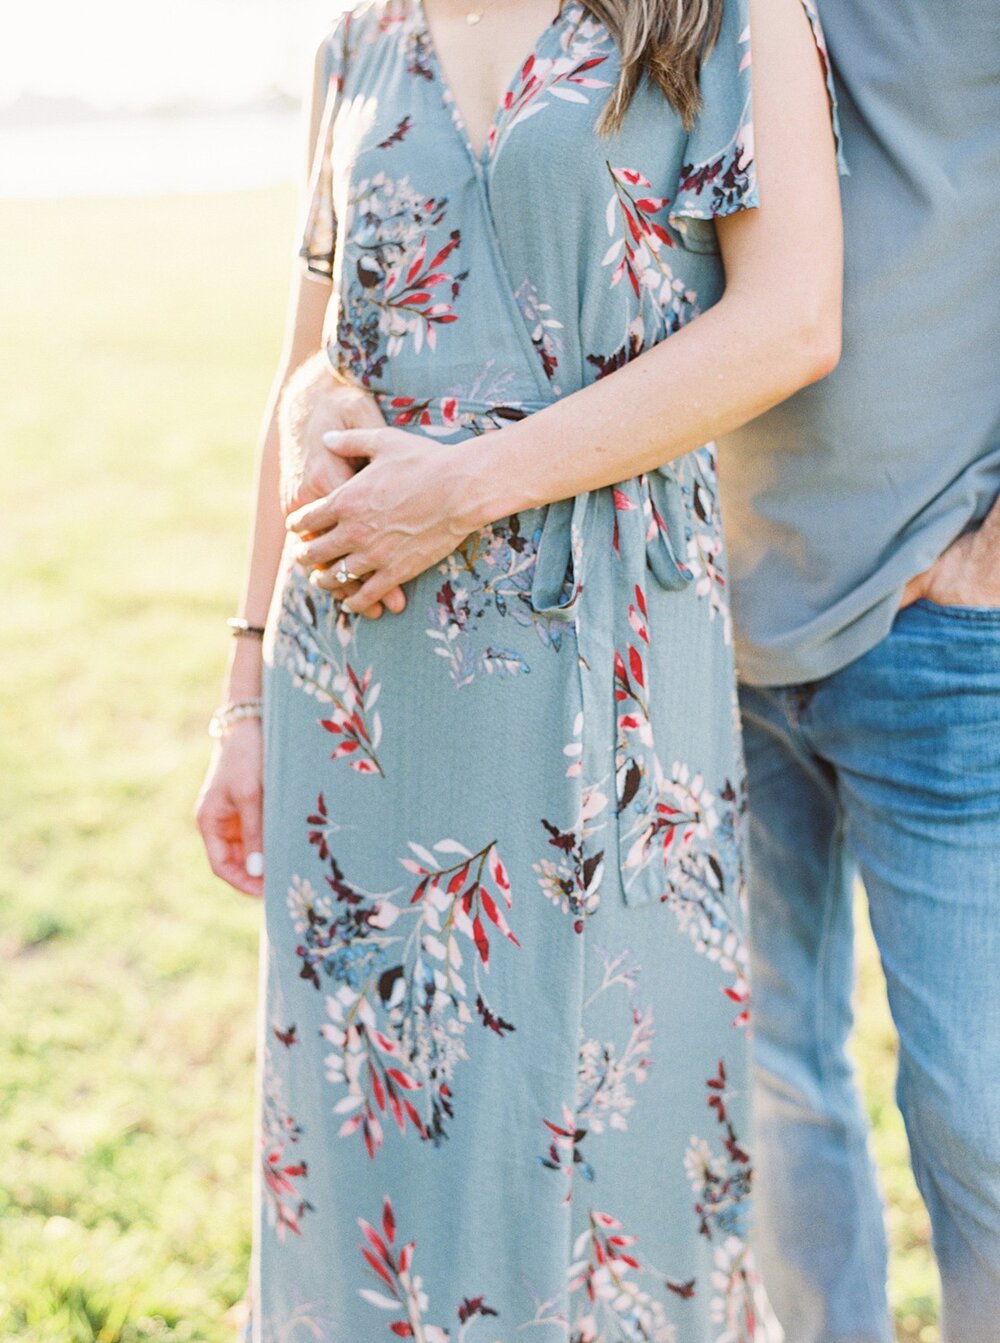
(376, 588)
(229, 811)
(251, 841)
(222, 834)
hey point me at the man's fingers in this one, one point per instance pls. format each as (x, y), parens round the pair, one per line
(318, 516)
(352, 442)
(323, 549)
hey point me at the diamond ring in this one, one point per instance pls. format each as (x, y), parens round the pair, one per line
(344, 575)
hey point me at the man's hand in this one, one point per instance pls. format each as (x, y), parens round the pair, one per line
(312, 403)
(966, 574)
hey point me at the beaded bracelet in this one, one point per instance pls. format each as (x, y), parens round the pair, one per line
(227, 714)
(243, 629)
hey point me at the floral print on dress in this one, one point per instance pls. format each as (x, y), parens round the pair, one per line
(283, 1169)
(401, 1290)
(504, 891)
(405, 287)
(605, 1074)
(397, 974)
(312, 641)
(490, 570)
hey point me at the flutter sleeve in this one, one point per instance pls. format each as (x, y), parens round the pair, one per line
(719, 174)
(318, 231)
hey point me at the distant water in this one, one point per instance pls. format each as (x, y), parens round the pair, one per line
(145, 155)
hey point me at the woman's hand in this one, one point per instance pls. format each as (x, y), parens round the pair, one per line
(391, 521)
(230, 805)
(311, 403)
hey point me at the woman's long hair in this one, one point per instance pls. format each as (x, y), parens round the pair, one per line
(664, 40)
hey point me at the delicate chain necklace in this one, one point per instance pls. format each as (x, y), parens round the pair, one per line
(472, 16)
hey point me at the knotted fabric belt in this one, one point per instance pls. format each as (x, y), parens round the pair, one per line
(595, 556)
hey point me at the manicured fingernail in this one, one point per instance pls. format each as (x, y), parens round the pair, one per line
(330, 437)
(255, 864)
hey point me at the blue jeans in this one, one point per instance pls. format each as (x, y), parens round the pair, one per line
(890, 768)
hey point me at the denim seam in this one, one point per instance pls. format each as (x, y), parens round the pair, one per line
(835, 869)
(974, 614)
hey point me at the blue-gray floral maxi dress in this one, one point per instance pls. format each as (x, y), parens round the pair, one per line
(503, 1014)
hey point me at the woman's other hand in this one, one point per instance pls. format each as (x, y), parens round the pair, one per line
(229, 811)
(313, 403)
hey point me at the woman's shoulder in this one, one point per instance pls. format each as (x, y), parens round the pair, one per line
(366, 21)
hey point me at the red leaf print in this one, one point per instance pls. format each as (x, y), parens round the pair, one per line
(401, 1329)
(376, 1267)
(397, 1110)
(417, 262)
(388, 1222)
(635, 662)
(445, 250)
(499, 874)
(415, 1119)
(377, 1087)
(494, 915)
(457, 879)
(376, 1240)
(401, 1079)
(482, 942)
(622, 501)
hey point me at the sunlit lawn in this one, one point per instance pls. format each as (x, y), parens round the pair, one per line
(137, 343)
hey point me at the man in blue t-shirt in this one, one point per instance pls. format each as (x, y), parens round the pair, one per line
(864, 537)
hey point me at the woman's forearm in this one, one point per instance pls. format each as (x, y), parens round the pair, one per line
(725, 368)
(267, 538)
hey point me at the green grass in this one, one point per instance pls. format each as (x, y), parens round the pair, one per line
(137, 347)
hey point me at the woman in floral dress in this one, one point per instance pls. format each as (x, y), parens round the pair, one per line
(503, 1020)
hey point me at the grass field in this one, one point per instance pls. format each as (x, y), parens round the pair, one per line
(136, 349)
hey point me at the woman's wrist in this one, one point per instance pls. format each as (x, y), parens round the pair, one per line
(244, 674)
(493, 478)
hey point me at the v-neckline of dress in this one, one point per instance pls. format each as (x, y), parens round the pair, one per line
(448, 94)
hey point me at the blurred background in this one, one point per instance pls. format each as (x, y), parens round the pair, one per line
(150, 158)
